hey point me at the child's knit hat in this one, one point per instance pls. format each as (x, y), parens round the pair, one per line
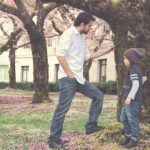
(134, 54)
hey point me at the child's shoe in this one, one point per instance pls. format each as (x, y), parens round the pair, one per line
(131, 143)
(125, 140)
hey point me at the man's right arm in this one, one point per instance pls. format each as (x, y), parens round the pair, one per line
(63, 62)
(101, 52)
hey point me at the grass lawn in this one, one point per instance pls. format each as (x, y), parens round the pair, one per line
(22, 124)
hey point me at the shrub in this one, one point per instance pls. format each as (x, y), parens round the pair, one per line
(25, 86)
(22, 86)
(3, 85)
(53, 87)
(109, 87)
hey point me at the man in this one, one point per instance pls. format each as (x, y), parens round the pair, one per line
(71, 54)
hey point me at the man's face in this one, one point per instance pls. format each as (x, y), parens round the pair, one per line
(86, 27)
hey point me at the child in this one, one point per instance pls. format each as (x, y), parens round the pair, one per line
(132, 97)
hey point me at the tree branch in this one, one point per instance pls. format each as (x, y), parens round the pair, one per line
(52, 36)
(6, 46)
(9, 9)
(2, 29)
(56, 29)
(22, 45)
(42, 14)
(99, 8)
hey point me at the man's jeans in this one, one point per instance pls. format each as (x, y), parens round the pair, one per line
(130, 119)
(68, 87)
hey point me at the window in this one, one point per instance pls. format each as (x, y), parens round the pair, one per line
(49, 42)
(102, 73)
(4, 73)
(24, 72)
(56, 71)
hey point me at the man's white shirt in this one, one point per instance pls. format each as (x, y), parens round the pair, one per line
(72, 45)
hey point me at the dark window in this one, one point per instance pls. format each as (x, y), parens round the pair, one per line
(102, 73)
(25, 73)
(56, 71)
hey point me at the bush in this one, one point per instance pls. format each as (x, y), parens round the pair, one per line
(22, 86)
(53, 87)
(25, 86)
(109, 87)
(3, 85)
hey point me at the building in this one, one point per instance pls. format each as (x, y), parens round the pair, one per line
(102, 69)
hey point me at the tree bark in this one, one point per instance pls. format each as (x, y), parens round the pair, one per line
(40, 62)
(12, 69)
(40, 68)
(146, 100)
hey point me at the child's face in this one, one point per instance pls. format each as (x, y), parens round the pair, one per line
(126, 61)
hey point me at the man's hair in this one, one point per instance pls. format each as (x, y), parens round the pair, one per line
(83, 17)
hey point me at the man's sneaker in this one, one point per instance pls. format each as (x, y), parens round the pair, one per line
(131, 143)
(125, 140)
(93, 129)
(63, 141)
(56, 145)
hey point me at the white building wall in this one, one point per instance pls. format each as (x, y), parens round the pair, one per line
(4, 58)
(110, 68)
(24, 58)
(52, 60)
(4, 67)
(94, 71)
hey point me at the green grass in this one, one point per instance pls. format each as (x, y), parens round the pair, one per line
(22, 127)
(26, 127)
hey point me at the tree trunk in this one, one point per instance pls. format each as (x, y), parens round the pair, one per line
(87, 64)
(40, 67)
(86, 70)
(146, 101)
(40, 72)
(120, 41)
(12, 70)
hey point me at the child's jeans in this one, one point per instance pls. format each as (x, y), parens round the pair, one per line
(130, 119)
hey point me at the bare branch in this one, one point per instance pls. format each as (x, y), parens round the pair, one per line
(102, 38)
(14, 21)
(20, 5)
(9, 9)
(56, 28)
(22, 45)
(13, 35)
(5, 47)
(39, 5)
(42, 13)
(2, 29)
(50, 7)
(51, 36)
